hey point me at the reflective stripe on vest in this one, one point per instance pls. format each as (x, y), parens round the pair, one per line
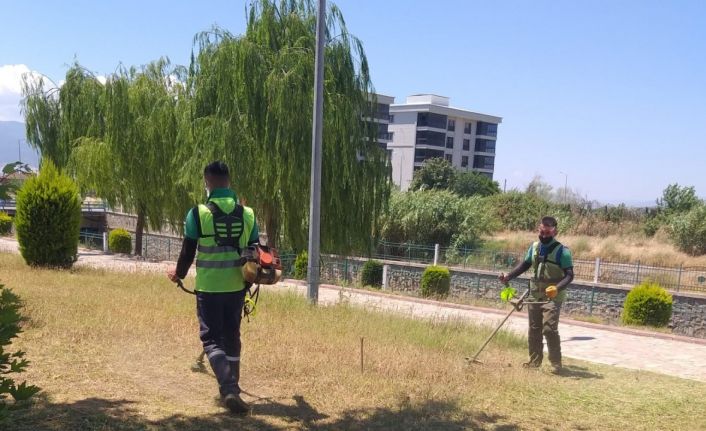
(216, 249)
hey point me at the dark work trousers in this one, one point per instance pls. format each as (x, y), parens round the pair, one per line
(219, 321)
(544, 321)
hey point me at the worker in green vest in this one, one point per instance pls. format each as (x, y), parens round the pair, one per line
(215, 233)
(553, 270)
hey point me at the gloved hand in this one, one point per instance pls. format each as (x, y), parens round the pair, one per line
(504, 279)
(551, 292)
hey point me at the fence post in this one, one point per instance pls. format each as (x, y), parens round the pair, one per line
(597, 271)
(345, 269)
(169, 249)
(436, 254)
(681, 265)
(105, 242)
(637, 273)
(384, 276)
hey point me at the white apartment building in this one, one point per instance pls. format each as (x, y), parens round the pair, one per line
(426, 127)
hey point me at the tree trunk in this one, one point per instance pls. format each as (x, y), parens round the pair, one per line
(139, 227)
(271, 227)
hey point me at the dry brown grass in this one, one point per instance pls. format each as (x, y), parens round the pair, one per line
(616, 248)
(113, 352)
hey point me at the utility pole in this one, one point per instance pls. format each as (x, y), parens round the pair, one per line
(19, 151)
(566, 182)
(312, 292)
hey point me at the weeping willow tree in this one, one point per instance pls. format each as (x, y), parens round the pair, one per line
(131, 164)
(57, 117)
(251, 101)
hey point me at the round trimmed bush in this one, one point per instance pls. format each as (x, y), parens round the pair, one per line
(119, 241)
(300, 265)
(436, 281)
(5, 223)
(371, 274)
(647, 304)
(48, 219)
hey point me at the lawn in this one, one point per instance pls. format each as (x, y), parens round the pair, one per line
(114, 351)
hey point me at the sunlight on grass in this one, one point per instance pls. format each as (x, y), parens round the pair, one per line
(113, 351)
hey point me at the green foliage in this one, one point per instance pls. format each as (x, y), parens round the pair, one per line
(119, 241)
(11, 362)
(677, 199)
(436, 282)
(435, 173)
(519, 211)
(689, 230)
(251, 106)
(5, 223)
(371, 274)
(48, 219)
(301, 264)
(130, 161)
(474, 184)
(8, 183)
(436, 217)
(647, 304)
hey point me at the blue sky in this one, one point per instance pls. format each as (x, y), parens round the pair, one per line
(611, 93)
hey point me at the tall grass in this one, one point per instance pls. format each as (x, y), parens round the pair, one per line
(618, 248)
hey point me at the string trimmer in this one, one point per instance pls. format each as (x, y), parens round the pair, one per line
(517, 304)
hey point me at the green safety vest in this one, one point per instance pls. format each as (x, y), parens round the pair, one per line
(547, 271)
(218, 267)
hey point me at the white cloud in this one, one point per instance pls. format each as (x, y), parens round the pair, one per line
(11, 90)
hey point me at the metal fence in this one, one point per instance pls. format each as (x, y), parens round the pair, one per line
(691, 279)
(92, 240)
(688, 279)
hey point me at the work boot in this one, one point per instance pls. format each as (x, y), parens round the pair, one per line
(556, 367)
(531, 364)
(535, 361)
(236, 405)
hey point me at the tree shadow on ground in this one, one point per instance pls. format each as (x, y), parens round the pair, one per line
(292, 413)
(427, 415)
(124, 415)
(576, 372)
(578, 338)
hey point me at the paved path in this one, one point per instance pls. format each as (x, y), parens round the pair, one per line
(660, 353)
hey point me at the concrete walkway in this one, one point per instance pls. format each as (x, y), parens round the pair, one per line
(641, 350)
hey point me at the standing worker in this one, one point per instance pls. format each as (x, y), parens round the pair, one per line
(553, 271)
(220, 229)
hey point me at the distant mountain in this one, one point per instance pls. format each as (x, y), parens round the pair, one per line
(13, 144)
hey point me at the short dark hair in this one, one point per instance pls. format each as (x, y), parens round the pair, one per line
(549, 221)
(217, 169)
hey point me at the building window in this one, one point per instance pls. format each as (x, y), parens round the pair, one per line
(487, 129)
(382, 111)
(449, 142)
(483, 162)
(392, 118)
(429, 119)
(451, 126)
(485, 146)
(448, 157)
(422, 154)
(464, 161)
(466, 145)
(467, 128)
(428, 137)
